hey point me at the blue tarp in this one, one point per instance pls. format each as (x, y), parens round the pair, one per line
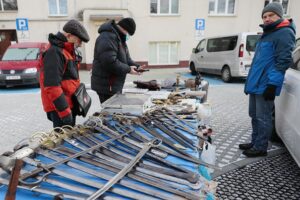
(29, 195)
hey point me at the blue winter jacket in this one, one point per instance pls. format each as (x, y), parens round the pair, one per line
(273, 56)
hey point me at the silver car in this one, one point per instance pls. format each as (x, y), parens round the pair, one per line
(287, 109)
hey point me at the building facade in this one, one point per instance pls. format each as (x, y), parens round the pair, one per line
(167, 30)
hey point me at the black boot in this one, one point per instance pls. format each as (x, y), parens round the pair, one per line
(245, 146)
(254, 153)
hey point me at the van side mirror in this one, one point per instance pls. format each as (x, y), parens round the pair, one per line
(195, 50)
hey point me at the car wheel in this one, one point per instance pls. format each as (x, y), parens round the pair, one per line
(193, 69)
(226, 74)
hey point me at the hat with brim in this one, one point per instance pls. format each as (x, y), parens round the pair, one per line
(75, 28)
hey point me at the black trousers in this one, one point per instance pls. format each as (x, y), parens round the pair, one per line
(104, 97)
(56, 120)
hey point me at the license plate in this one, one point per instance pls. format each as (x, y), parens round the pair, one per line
(13, 77)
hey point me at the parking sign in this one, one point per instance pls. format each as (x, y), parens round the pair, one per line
(200, 24)
(22, 24)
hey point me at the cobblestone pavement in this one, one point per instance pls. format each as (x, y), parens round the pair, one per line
(273, 178)
(230, 122)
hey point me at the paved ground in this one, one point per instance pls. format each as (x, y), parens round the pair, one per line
(21, 115)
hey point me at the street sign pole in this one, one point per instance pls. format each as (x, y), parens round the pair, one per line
(199, 27)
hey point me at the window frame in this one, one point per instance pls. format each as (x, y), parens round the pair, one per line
(215, 11)
(2, 6)
(164, 14)
(280, 1)
(157, 46)
(58, 14)
(203, 41)
(219, 44)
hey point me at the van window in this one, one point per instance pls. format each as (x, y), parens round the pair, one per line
(201, 46)
(21, 54)
(251, 42)
(221, 44)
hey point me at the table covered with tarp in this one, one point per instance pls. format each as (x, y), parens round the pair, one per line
(113, 155)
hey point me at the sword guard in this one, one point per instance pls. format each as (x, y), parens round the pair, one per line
(155, 142)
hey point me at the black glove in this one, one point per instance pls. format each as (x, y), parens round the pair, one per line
(269, 93)
(68, 120)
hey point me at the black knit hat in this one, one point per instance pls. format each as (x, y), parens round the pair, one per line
(274, 7)
(128, 24)
(74, 27)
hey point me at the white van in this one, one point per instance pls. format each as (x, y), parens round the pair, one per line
(228, 56)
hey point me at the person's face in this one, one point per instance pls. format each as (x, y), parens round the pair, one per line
(269, 18)
(75, 40)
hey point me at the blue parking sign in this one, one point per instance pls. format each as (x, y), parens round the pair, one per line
(22, 24)
(200, 24)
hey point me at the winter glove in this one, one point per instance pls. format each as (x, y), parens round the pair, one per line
(151, 85)
(68, 120)
(269, 93)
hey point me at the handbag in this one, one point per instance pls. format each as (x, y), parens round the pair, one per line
(82, 100)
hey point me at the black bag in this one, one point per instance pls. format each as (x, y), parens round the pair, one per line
(82, 100)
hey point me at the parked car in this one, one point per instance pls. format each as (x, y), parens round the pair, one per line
(20, 64)
(228, 56)
(287, 109)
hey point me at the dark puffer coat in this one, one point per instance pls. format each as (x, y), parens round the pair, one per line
(111, 60)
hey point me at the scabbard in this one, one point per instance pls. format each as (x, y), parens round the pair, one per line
(14, 180)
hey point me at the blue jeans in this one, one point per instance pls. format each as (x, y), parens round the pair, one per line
(260, 112)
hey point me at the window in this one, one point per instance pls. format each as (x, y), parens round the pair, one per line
(201, 45)
(283, 2)
(251, 42)
(21, 54)
(58, 7)
(164, 7)
(221, 44)
(163, 53)
(6, 5)
(221, 7)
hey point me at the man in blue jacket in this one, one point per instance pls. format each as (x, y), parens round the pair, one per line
(273, 56)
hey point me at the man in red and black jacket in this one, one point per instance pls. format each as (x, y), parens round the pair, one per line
(59, 76)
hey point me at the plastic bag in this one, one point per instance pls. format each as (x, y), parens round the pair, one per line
(208, 154)
(204, 113)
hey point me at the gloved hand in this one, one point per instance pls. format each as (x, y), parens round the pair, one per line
(269, 93)
(68, 120)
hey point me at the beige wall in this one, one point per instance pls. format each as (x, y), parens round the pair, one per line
(180, 28)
